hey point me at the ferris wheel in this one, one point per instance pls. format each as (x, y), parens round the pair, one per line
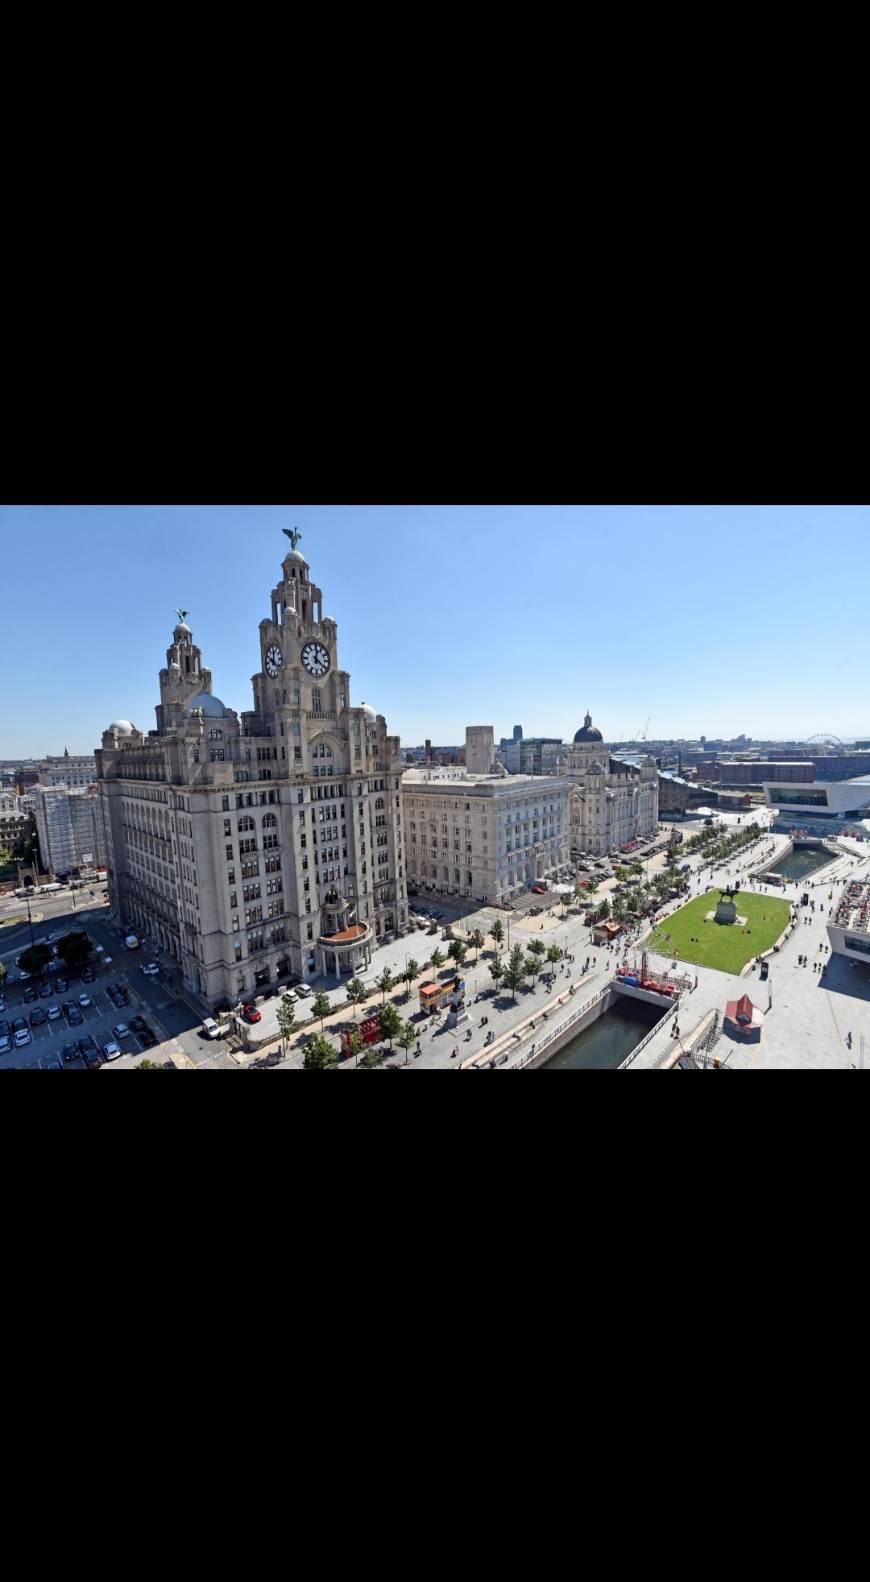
(826, 739)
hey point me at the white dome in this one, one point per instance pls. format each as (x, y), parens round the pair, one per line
(182, 630)
(296, 557)
(122, 727)
(211, 706)
(369, 712)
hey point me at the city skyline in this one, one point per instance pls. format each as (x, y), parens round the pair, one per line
(702, 620)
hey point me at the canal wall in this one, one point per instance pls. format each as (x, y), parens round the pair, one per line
(551, 1043)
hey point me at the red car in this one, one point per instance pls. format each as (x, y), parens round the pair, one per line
(251, 1014)
(538, 889)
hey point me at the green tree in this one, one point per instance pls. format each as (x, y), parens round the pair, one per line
(150, 1065)
(2, 974)
(534, 966)
(357, 993)
(554, 955)
(34, 958)
(497, 933)
(407, 1038)
(355, 1043)
(603, 910)
(320, 1007)
(391, 1023)
(457, 952)
(437, 959)
(384, 983)
(286, 1022)
(496, 970)
(319, 1054)
(537, 947)
(476, 941)
(74, 950)
(373, 1058)
(411, 974)
(516, 971)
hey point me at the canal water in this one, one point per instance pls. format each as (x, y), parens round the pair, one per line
(803, 861)
(605, 1043)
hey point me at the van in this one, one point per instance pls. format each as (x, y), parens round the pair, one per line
(210, 1028)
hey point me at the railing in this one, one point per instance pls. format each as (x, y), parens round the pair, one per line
(649, 1037)
(550, 1037)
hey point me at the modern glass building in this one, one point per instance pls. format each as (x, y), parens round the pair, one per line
(823, 808)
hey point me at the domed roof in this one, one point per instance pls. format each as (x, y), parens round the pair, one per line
(211, 706)
(369, 712)
(588, 732)
(182, 630)
(122, 727)
(295, 557)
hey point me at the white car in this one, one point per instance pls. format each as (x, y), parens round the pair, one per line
(22, 1037)
(303, 990)
(121, 1031)
(85, 1002)
(151, 969)
(111, 1050)
(53, 1013)
(209, 1027)
(99, 949)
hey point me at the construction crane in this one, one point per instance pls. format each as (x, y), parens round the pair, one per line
(641, 735)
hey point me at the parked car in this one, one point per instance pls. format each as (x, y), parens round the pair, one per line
(139, 1024)
(209, 1027)
(2, 1004)
(147, 1039)
(23, 1038)
(61, 986)
(121, 1031)
(18, 1025)
(73, 1015)
(4, 1029)
(29, 996)
(85, 1002)
(70, 1052)
(37, 1016)
(93, 1061)
(151, 969)
(251, 1014)
(304, 989)
(5, 1043)
(111, 1050)
(87, 1046)
(88, 975)
(54, 1013)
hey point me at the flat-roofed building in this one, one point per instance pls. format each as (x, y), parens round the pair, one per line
(486, 837)
(825, 807)
(849, 927)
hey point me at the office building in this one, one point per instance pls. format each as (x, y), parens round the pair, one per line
(256, 846)
(614, 799)
(69, 824)
(484, 837)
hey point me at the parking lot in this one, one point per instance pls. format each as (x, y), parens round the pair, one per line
(44, 1049)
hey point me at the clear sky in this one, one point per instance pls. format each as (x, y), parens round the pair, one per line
(712, 619)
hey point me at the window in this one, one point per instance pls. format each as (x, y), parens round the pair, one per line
(246, 823)
(270, 821)
(225, 804)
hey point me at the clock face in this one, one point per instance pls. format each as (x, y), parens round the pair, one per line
(274, 660)
(315, 659)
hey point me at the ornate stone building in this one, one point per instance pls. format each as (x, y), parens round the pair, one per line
(615, 800)
(265, 845)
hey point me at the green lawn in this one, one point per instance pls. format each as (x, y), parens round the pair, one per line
(726, 947)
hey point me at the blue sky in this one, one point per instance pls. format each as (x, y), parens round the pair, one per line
(711, 619)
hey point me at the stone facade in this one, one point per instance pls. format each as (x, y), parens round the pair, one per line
(483, 837)
(614, 800)
(264, 845)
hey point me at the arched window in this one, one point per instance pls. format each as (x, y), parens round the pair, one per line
(270, 821)
(246, 824)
